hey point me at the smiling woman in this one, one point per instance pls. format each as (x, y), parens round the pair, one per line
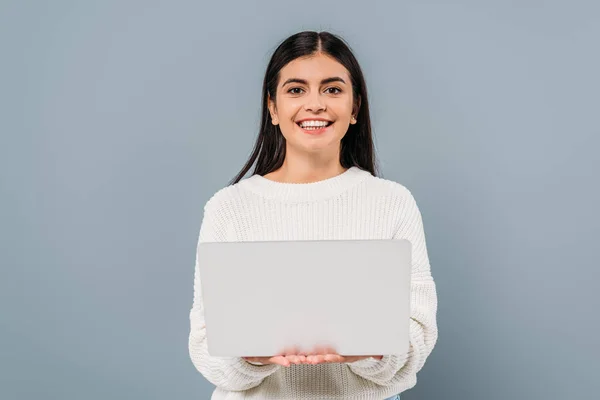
(315, 179)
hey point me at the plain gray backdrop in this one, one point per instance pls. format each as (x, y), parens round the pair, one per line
(119, 119)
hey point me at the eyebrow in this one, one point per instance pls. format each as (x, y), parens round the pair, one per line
(323, 82)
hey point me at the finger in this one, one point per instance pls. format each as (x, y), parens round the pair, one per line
(293, 359)
(317, 359)
(299, 359)
(280, 360)
(333, 358)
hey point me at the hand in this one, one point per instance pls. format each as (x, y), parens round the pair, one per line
(279, 360)
(329, 355)
(285, 358)
(319, 356)
(320, 359)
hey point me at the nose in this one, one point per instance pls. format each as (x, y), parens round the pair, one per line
(315, 103)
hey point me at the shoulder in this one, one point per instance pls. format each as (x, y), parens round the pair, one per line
(219, 214)
(402, 209)
(393, 190)
(220, 200)
(227, 198)
(396, 199)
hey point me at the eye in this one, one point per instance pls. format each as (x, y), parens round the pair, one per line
(295, 88)
(335, 90)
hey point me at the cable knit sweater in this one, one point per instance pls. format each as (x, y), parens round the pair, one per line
(352, 205)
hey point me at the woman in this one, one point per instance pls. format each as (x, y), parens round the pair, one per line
(315, 179)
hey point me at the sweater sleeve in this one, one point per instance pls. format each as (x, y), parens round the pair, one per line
(228, 373)
(423, 310)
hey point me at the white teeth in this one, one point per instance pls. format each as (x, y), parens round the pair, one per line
(306, 124)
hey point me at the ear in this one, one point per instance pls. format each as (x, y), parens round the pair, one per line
(272, 111)
(356, 107)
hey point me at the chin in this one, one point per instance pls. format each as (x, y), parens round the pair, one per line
(317, 147)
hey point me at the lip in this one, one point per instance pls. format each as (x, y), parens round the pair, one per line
(313, 119)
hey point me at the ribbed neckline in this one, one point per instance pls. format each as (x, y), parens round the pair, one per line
(296, 192)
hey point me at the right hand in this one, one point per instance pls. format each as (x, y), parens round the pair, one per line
(285, 358)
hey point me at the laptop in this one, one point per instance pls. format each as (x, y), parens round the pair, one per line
(263, 298)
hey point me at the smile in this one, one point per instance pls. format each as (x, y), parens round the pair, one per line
(314, 126)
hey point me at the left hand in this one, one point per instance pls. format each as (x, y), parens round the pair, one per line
(329, 355)
(335, 358)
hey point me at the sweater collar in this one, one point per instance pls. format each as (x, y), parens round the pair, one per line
(298, 192)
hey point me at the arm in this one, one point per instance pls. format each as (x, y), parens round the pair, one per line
(233, 374)
(423, 324)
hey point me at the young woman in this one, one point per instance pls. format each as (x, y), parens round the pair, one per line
(315, 179)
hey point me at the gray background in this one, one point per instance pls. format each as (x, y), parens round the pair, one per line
(119, 119)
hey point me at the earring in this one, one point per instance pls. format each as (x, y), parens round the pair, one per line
(353, 120)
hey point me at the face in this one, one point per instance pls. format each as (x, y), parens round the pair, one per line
(313, 105)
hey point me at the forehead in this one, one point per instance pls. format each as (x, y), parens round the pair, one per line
(314, 68)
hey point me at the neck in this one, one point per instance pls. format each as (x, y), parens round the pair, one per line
(303, 169)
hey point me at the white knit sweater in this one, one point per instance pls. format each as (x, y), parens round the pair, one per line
(353, 205)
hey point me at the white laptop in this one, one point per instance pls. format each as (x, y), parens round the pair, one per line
(263, 298)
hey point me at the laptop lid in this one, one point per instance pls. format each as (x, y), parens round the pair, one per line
(264, 297)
